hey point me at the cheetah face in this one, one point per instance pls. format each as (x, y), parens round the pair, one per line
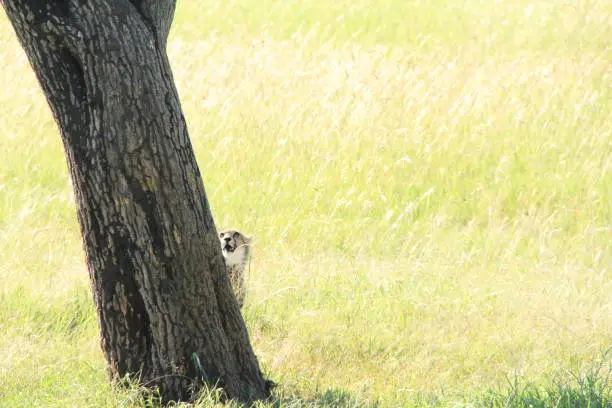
(236, 247)
(234, 241)
(229, 240)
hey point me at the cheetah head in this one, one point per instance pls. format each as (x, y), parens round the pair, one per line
(234, 244)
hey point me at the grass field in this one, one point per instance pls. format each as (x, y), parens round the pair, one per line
(429, 185)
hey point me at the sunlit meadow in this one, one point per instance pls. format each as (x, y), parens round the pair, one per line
(429, 185)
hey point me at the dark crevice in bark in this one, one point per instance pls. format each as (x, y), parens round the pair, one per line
(77, 111)
(134, 311)
(157, 16)
(140, 6)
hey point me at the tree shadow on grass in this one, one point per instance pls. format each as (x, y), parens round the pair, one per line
(331, 398)
(590, 387)
(138, 396)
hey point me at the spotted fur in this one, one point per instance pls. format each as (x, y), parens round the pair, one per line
(236, 249)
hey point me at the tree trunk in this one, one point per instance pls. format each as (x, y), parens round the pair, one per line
(165, 305)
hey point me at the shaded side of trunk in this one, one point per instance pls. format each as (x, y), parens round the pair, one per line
(164, 302)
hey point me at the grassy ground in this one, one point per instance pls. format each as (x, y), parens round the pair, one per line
(429, 185)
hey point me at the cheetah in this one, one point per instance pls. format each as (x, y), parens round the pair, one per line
(236, 249)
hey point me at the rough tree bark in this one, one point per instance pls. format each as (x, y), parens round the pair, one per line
(166, 310)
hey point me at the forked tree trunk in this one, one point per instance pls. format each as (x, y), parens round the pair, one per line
(166, 310)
